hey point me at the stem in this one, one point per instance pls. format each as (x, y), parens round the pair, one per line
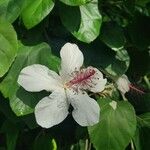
(89, 146)
(132, 145)
(86, 144)
(124, 98)
(39, 134)
(54, 144)
(147, 82)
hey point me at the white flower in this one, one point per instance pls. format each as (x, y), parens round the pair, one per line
(123, 84)
(67, 88)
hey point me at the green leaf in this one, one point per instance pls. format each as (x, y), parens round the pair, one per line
(142, 137)
(36, 11)
(112, 35)
(45, 142)
(140, 64)
(144, 120)
(11, 9)
(136, 139)
(142, 2)
(12, 132)
(117, 69)
(141, 103)
(30, 121)
(79, 146)
(83, 22)
(75, 2)
(21, 101)
(116, 127)
(102, 57)
(8, 48)
(139, 32)
(7, 111)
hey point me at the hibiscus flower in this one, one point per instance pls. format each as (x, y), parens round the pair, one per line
(67, 88)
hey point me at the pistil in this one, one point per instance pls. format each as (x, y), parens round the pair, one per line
(82, 78)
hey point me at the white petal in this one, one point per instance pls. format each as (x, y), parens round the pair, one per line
(71, 59)
(123, 84)
(51, 110)
(97, 82)
(37, 77)
(86, 110)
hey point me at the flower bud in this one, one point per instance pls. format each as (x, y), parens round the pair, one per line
(123, 84)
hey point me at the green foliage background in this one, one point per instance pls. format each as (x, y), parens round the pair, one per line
(114, 36)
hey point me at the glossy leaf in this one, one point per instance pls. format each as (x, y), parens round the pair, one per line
(21, 101)
(75, 2)
(11, 9)
(97, 54)
(83, 22)
(8, 46)
(112, 35)
(36, 11)
(116, 127)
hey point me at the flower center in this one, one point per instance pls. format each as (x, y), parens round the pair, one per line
(81, 78)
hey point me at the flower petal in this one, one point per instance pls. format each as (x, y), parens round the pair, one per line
(37, 77)
(97, 82)
(71, 59)
(86, 110)
(51, 110)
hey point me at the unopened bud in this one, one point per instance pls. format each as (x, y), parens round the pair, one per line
(123, 84)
